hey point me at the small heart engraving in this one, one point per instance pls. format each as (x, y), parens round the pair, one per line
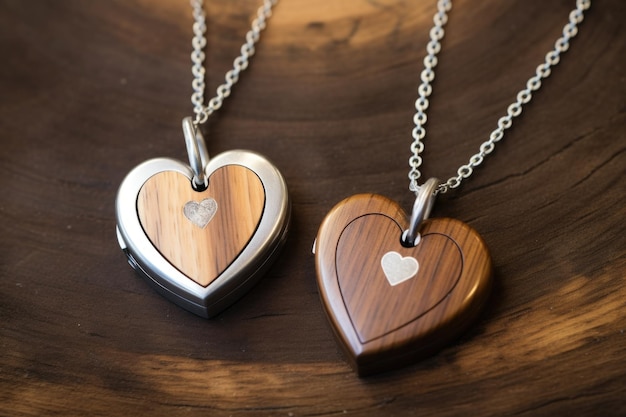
(398, 269)
(200, 213)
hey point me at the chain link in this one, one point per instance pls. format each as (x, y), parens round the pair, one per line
(524, 96)
(239, 64)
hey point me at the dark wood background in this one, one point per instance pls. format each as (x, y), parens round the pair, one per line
(89, 89)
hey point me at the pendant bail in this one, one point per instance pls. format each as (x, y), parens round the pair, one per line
(197, 152)
(424, 201)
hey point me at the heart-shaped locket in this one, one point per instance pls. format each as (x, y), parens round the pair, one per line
(203, 249)
(390, 304)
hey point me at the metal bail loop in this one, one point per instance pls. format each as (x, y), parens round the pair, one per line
(421, 210)
(197, 152)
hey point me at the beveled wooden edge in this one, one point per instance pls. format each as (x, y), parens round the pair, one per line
(364, 358)
(329, 232)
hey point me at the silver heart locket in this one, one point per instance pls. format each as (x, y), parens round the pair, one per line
(203, 234)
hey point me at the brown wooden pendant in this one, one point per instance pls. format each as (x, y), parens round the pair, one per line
(390, 304)
(201, 233)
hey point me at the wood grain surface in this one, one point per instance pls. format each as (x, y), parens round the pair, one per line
(381, 326)
(90, 89)
(201, 253)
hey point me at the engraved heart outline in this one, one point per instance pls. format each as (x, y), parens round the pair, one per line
(398, 268)
(417, 338)
(247, 267)
(200, 213)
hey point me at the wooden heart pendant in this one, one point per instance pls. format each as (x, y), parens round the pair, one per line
(203, 249)
(389, 304)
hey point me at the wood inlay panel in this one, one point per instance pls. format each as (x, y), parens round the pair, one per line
(201, 253)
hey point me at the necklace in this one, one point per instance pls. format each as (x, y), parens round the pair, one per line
(203, 233)
(395, 288)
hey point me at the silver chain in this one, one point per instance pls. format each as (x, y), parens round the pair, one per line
(515, 109)
(239, 64)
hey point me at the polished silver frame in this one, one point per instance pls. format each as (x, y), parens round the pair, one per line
(242, 273)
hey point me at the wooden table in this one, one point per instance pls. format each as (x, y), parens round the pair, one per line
(90, 89)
